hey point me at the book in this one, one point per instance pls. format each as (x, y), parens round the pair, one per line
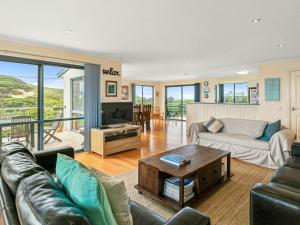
(170, 162)
(176, 198)
(175, 180)
(176, 192)
(172, 190)
(175, 159)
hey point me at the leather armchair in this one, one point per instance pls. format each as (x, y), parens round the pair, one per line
(278, 202)
(295, 149)
(186, 216)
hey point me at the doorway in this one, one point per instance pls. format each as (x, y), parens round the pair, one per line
(176, 99)
(295, 102)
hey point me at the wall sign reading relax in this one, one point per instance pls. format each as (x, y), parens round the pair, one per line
(111, 72)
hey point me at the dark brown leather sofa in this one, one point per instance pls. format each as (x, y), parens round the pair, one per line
(16, 207)
(278, 202)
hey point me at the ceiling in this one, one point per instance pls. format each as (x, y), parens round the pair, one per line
(162, 39)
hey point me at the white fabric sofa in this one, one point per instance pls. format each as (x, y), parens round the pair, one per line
(239, 137)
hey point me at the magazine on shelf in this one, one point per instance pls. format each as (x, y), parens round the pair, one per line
(176, 197)
(175, 181)
(172, 190)
(176, 192)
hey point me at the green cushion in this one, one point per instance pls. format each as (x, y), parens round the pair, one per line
(85, 190)
(117, 196)
(270, 129)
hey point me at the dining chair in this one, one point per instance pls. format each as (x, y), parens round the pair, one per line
(20, 131)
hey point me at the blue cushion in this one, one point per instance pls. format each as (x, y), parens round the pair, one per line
(85, 190)
(270, 129)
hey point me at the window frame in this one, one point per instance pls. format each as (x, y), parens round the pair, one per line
(40, 94)
(166, 97)
(152, 87)
(71, 94)
(234, 91)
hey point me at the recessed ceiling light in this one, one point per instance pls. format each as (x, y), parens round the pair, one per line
(281, 45)
(68, 30)
(244, 72)
(256, 20)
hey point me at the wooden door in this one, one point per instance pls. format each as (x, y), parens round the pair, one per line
(295, 102)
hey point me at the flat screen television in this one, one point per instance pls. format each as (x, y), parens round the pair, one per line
(117, 112)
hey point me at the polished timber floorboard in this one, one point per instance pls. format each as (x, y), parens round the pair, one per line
(164, 135)
(228, 205)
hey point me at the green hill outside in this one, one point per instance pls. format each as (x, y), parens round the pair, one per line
(20, 98)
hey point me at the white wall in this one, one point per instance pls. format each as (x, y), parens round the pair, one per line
(267, 110)
(156, 89)
(198, 112)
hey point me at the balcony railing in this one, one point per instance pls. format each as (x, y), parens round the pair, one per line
(176, 111)
(12, 127)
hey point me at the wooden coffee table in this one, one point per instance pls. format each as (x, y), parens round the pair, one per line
(205, 169)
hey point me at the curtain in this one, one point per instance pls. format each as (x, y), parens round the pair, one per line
(92, 104)
(197, 92)
(221, 93)
(133, 93)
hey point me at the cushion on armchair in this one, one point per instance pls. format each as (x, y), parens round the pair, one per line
(117, 196)
(270, 129)
(84, 189)
(213, 125)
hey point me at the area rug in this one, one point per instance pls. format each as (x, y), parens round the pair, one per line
(227, 205)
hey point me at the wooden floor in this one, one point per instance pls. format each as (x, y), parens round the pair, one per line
(164, 135)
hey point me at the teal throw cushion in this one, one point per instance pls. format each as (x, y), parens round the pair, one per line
(85, 190)
(270, 129)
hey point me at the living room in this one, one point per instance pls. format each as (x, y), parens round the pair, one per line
(150, 112)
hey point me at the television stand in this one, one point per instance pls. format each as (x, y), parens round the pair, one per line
(116, 139)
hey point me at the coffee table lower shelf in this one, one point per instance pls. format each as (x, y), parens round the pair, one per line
(175, 204)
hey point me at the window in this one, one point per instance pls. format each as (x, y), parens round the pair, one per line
(77, 95)
(40, 103)
(143, 95)
(234, 93)
(228, 93)
(241, 93)
(176, 99)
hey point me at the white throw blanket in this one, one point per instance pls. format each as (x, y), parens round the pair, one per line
(275, 156)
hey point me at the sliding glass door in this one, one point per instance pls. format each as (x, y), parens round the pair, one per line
(41, 104)
(18, 102)
(63, 107)
(176, 99)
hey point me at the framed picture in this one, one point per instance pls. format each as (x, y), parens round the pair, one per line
(272, 89)
(111, 88)
(253, 95)
(125, 92)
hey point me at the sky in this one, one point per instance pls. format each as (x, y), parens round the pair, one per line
(239, 88)
(175, 92)
(29, 73)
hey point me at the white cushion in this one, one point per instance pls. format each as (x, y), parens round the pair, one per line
(213, 125)
(118, 197)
